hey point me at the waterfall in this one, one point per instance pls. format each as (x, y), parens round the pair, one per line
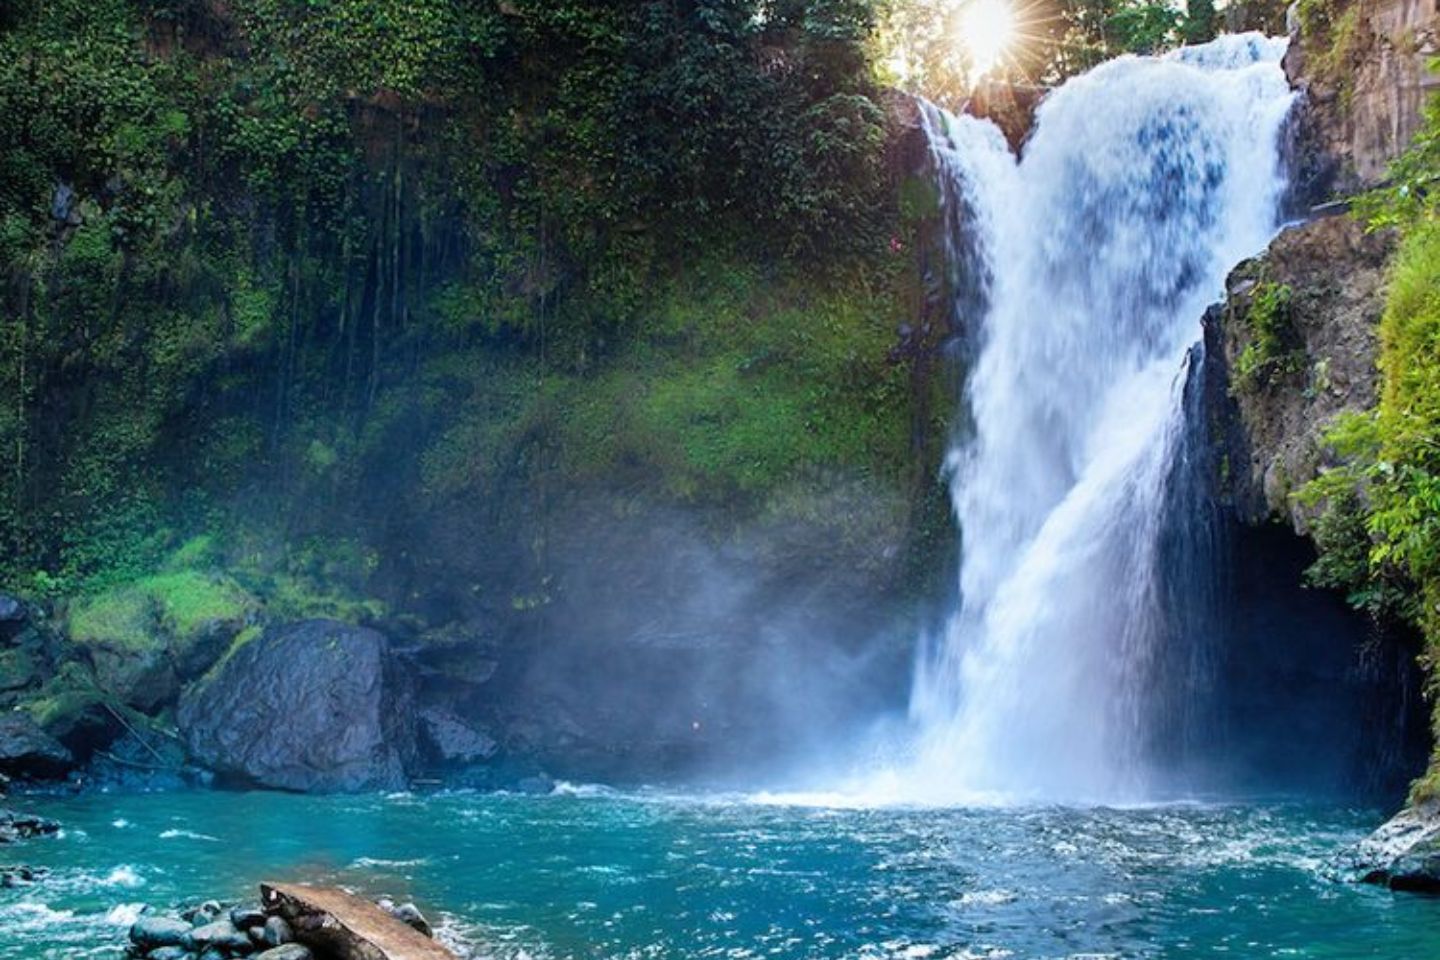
(1083, 272)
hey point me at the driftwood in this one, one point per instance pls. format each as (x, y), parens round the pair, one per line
(345, 926)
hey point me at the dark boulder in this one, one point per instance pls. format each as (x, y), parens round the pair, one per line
(18, 669)
(13, 616)
(20, 876)
(246, 917)
(26, 750)
(24, 826)
(142, 677)
(317, 706)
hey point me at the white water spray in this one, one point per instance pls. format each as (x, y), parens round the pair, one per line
(1144, 182)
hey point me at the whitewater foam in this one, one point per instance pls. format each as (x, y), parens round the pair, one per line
(1085, 269)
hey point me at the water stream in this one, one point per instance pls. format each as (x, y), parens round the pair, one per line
(1085, 268)
(591, 873)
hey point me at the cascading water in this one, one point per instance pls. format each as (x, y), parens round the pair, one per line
(1143, 183)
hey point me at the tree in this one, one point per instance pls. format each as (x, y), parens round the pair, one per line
(1201, 22)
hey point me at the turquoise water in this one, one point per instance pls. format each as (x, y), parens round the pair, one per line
(603, 875)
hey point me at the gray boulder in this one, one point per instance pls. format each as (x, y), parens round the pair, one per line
(1404, 854)
(318, 706)
(27, 750)
(150, 933)
(219, 935)
(453, 740)
(290, 951)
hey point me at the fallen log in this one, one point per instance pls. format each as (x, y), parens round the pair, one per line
(335, 923)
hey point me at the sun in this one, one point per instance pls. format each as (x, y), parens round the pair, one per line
(988, 29)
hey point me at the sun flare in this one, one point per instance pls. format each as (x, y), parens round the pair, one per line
(988, 30)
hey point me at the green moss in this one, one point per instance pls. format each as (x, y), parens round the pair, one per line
(167, 608)
(124, 616)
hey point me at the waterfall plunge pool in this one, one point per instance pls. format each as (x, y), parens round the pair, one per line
(599, 874)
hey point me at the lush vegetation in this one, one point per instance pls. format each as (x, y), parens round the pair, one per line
(294, 280)
(1380, 529)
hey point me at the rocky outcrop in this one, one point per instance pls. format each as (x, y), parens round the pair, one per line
(13, 616)
(1328, 276)
(1364, 67)
(1404, 854)
(27, 750)
(315, 706)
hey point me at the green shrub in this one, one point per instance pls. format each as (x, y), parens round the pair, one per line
(1271, 351)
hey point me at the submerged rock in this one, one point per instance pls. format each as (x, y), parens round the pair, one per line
(19, 876)
(1404, 854)
(315, 706)
(22, 826)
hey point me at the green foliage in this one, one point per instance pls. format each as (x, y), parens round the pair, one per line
(1271, 349)
(232, 233)
(1201, 23)
(1410, 194)
(926, 50)
(1389, 478)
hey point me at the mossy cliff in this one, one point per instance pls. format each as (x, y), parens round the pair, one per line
(1327, 343)
(573, 332)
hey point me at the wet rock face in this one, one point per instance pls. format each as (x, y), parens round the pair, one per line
(27, 750)
(1404, 854)
(1271, 425)
(317, 706)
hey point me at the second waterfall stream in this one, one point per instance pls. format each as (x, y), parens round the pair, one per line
(1086, 268)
